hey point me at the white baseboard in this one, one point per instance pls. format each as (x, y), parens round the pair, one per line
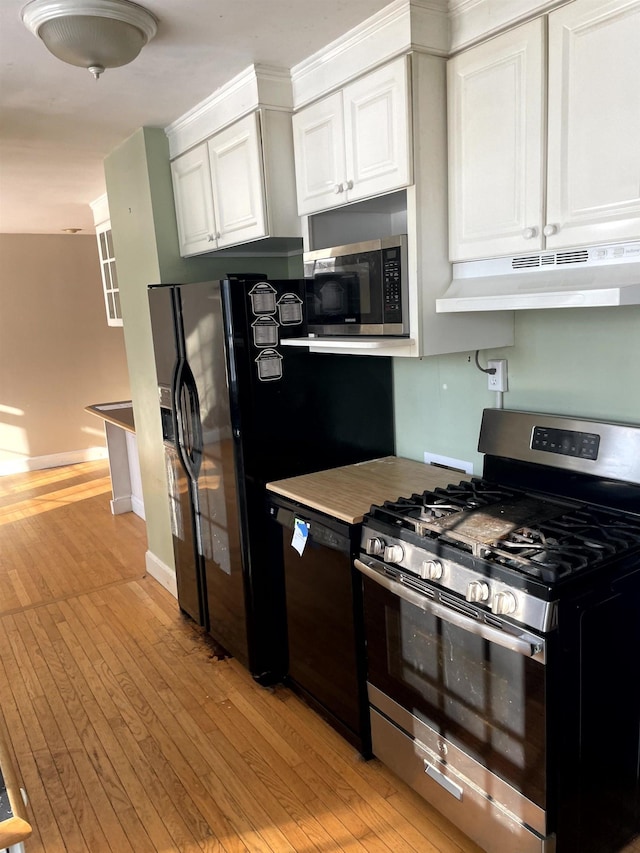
(120, 505)
(53, 460)
(158, 570)
(137, 505)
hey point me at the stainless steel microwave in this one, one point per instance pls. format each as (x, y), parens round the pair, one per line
(359, 289)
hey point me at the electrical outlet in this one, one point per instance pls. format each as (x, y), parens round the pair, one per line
(498, 381)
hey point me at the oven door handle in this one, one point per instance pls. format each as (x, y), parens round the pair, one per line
(523, 644)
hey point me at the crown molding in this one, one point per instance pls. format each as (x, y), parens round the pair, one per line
(258, 86)
(398, 28)
(100, 209)
(472, 21)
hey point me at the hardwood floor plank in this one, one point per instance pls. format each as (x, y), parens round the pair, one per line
(130, 735)
(65, 738)
(139, 729)
(90, 761)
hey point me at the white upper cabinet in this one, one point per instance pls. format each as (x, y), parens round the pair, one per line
(355, 143)
(496, 125)
(219, 190)
(232, 167)
(108, 271)
(237, 183)
(193, 198)
(500, 200)
(593, 184)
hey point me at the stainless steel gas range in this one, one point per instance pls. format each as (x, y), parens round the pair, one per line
(502, 620)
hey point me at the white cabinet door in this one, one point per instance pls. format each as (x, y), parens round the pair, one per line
(110, 288)
(355, 143)
(377, 132)
(318, 138)
(496, 126)
(193, 199)
(593, 184)
(235, 157)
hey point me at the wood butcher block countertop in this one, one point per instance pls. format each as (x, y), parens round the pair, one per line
(348, 492)
(120, 414)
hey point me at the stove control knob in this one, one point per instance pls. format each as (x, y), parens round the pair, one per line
(431, 570)
(504, 603)
(477, 591)
(374, 547)
(393, 553)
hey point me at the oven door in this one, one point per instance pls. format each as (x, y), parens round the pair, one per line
(471, 692)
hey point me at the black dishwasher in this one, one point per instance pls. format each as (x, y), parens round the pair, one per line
(324, 617)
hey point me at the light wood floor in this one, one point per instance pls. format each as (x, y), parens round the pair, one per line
(128, 731)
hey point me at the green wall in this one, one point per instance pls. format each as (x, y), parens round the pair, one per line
(568, 361)
(143, 224)
(583, 362)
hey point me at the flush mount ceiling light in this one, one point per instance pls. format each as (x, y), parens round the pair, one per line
(93, 34)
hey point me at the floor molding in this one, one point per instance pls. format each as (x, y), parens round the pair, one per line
(159, 571)
(53, 460)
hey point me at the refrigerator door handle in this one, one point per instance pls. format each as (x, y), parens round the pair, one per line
(189, 443)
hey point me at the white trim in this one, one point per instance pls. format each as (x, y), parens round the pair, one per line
(137, 506)
(400, 27)
(54, 460)
(100, 209)
(159, 571)
(258, 86)
(120, 505)
(472, 21)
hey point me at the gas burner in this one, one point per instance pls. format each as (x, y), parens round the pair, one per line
(424, 514)
(566, 544)
(541, 537)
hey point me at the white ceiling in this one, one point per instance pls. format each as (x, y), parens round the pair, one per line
(57, 123)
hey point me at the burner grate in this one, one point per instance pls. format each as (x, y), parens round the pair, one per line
(542, 538)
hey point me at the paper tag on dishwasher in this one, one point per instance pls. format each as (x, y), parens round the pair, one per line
(300, 535)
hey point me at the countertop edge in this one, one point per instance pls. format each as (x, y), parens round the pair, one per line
(109, 412)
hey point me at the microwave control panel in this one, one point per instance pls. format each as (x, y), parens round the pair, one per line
(391, 284)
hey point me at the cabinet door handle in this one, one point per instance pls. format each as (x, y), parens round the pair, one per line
(349, 185)
(549, 230)
(529, 233)
(210, 238)
(339, 188)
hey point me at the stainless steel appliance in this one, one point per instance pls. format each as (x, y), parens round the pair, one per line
(580, 277)
(359, 289)
(238, 410)
(502, 617)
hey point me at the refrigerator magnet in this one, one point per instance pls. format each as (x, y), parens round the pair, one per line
(269, 364)
(290, 309)
(263, 298)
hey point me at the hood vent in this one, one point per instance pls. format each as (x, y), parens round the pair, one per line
(592, 276)
(574, 256)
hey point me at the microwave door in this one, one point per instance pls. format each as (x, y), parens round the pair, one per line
(339, 299)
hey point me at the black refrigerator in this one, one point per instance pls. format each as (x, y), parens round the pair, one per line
(238, 410)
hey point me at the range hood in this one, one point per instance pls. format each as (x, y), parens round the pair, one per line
(583, 277)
